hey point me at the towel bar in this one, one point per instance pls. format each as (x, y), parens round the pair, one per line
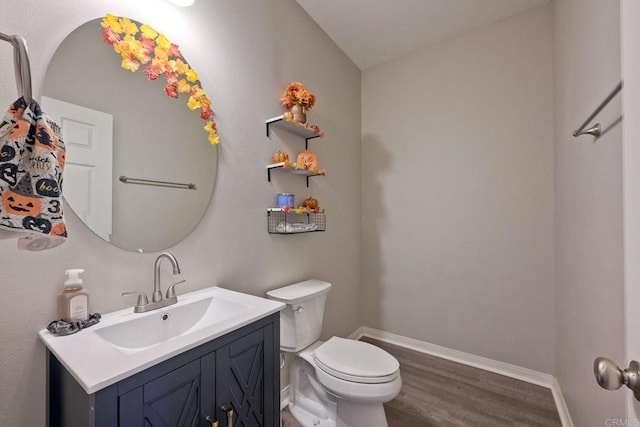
(596, 129)
(140, 181)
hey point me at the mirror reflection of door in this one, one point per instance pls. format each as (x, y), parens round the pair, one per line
(87, 180)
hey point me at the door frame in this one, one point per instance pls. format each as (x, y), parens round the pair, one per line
(630, 34)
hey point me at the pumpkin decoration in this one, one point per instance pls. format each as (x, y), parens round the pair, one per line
(279, 157)
(59, 229)
(20, 129)
(20, 204)
(20, 199)
(310, 203)
(307, 160)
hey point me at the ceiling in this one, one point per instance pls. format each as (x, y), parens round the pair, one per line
(374, 31)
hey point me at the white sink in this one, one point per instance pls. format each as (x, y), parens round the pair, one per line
(158, 326)
(125, 343)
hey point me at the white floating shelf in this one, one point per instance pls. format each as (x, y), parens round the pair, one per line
(291, 169)
(291, 126)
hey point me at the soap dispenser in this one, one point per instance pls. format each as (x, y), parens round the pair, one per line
(74, 301)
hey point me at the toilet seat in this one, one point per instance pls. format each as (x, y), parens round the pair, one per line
(356, 361)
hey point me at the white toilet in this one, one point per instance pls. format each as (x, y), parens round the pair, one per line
(337, 383)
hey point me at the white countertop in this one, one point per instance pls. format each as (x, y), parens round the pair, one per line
(96, 363)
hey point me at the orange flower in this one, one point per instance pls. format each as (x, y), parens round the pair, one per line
(211, 127)
(183, 86)
(196, 91)
(204, 101)
(161, 54)
(129, 63)
(296, 93)
(181, 66)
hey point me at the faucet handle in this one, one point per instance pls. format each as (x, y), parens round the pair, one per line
(171, 292)
(142, 297)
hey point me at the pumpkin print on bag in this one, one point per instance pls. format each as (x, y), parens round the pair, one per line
(40, 225)
(59, 229)
(17, 108)
(20, 129)
(20, 199)
(19, 204)
(9, 173)
(7, 153)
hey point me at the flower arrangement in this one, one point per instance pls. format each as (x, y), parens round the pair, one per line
(162, 58)
(297, 94)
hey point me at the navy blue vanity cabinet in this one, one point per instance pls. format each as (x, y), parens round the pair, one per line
(238, 371)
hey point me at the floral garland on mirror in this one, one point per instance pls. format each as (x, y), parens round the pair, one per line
(162, 58)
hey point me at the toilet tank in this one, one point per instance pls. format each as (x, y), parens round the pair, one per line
(301, 319)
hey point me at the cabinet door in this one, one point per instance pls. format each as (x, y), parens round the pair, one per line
(240, 381)
(171, 400)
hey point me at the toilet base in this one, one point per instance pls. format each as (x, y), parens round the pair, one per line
(348, 414)
(354, 414)
(313, 406)
(310, 404)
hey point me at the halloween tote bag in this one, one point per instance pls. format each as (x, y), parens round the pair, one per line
(31, 165)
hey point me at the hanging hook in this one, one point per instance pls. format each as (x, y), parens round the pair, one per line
(21, 65)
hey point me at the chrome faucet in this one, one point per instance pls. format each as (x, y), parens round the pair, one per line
(143, 305)
(157, 294)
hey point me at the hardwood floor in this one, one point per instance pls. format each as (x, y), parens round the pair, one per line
(438, 392)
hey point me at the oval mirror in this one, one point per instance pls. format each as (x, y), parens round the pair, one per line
(139, 168)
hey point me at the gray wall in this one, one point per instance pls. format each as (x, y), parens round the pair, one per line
(457, 193)
(589, 243)
(246, 53)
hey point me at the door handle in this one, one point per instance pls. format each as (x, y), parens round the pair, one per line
(609, 376)
(229, 411)
(212, 421)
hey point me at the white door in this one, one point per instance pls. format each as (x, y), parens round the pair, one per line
(88, 185)
(630, 15)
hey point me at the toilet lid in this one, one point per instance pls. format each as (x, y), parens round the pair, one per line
(356, 361)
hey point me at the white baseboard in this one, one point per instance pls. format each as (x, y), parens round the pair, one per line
(358, 333)
(561, 405)
(502, 368)
(284, 397)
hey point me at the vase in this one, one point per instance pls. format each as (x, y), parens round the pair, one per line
(299, 113)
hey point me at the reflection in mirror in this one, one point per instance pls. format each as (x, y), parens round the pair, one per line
(117, 123)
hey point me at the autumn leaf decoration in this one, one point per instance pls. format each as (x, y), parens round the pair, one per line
(145, 46)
